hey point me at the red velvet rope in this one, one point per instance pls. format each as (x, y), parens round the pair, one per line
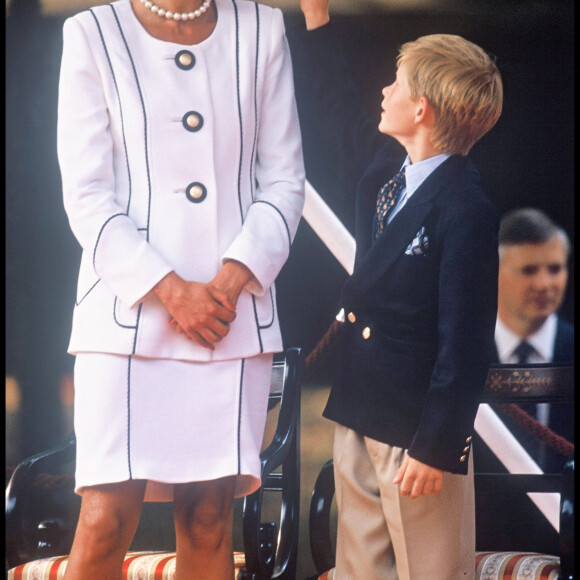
(538, 430)
(323, 345)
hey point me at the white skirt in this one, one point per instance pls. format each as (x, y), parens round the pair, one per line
(169, 421)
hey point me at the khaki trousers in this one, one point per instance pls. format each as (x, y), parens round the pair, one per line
(383, 535)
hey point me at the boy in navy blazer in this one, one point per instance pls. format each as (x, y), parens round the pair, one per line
(420, 306)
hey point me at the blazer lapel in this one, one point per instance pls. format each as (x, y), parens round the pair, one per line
(392, 243)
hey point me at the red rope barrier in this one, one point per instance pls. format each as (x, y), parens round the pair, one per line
(541, 432)
(323, 345)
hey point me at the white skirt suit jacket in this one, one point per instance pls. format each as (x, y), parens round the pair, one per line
(177, 157)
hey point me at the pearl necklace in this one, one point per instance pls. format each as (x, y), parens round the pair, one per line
(176, 15)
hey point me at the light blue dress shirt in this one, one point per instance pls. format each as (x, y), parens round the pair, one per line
(415, 175)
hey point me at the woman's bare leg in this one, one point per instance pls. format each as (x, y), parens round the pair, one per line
(203, 514)
(107, 523)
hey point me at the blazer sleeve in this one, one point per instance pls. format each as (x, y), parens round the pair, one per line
(329, 103)
(270, 224)
(467, 315)
(122, 257)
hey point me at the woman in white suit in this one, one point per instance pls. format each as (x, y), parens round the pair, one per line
(183, 180)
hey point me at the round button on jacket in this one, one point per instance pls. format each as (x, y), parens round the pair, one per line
(192, 121)
(196, 192)
(185, 60)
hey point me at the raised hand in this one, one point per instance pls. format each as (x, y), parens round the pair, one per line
(315, 13)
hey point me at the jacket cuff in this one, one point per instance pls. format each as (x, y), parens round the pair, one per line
(263, 271)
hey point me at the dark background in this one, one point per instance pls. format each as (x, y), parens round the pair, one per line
(527, 159)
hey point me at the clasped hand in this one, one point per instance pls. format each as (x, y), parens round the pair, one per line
(203, 312)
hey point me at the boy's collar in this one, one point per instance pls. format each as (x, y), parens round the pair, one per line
(416, 173)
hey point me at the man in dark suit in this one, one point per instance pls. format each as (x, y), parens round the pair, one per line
(533, 275)
(420, 306)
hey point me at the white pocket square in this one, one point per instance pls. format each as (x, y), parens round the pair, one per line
(419, 245)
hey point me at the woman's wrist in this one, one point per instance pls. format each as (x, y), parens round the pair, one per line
(233, 277)
(316, 19)
(166, 286)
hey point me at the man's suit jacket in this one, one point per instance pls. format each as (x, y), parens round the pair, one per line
(562, 415)
(421, 304)
(564, 342)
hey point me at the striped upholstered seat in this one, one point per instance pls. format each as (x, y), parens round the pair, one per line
(138, 566)
(506, 566)
(516, 566)
(161, 566)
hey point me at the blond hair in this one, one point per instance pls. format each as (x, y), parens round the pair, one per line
(462, 84)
